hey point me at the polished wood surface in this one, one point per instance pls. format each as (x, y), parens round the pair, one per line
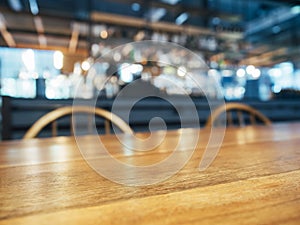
(253, 180)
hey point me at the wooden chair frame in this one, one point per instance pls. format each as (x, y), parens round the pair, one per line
(240, 108)
(54, 115)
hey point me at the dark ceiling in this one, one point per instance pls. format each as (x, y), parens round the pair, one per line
(240, 31)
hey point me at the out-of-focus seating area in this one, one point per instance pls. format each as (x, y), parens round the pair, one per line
(236, 114)
(149, 112)
(213, 51)
(75, 127)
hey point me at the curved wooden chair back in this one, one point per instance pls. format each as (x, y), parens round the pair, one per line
(53, 116)
(253, 116)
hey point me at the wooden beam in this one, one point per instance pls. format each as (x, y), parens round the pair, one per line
(265, 58)
(8, 37)
(5, 34)
(115, 19)
(38, 24)
(118, 19)
(65, 50)
(40, 30)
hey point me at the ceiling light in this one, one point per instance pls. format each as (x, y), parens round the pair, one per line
(155, 14)
(181, 18)
(171, 2)
(34, 8)
(296, 9)
(136, 7)
(15, 5)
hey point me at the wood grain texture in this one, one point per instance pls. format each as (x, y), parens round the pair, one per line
(254, 180)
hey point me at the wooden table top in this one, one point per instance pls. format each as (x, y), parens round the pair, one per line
(255, 179)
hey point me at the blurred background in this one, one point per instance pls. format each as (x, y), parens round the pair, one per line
(251, 47)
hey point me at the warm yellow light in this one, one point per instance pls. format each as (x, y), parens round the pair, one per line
(103, 34)
(58, 60)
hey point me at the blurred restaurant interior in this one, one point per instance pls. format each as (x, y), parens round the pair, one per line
(251, 48)
(158, 112)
